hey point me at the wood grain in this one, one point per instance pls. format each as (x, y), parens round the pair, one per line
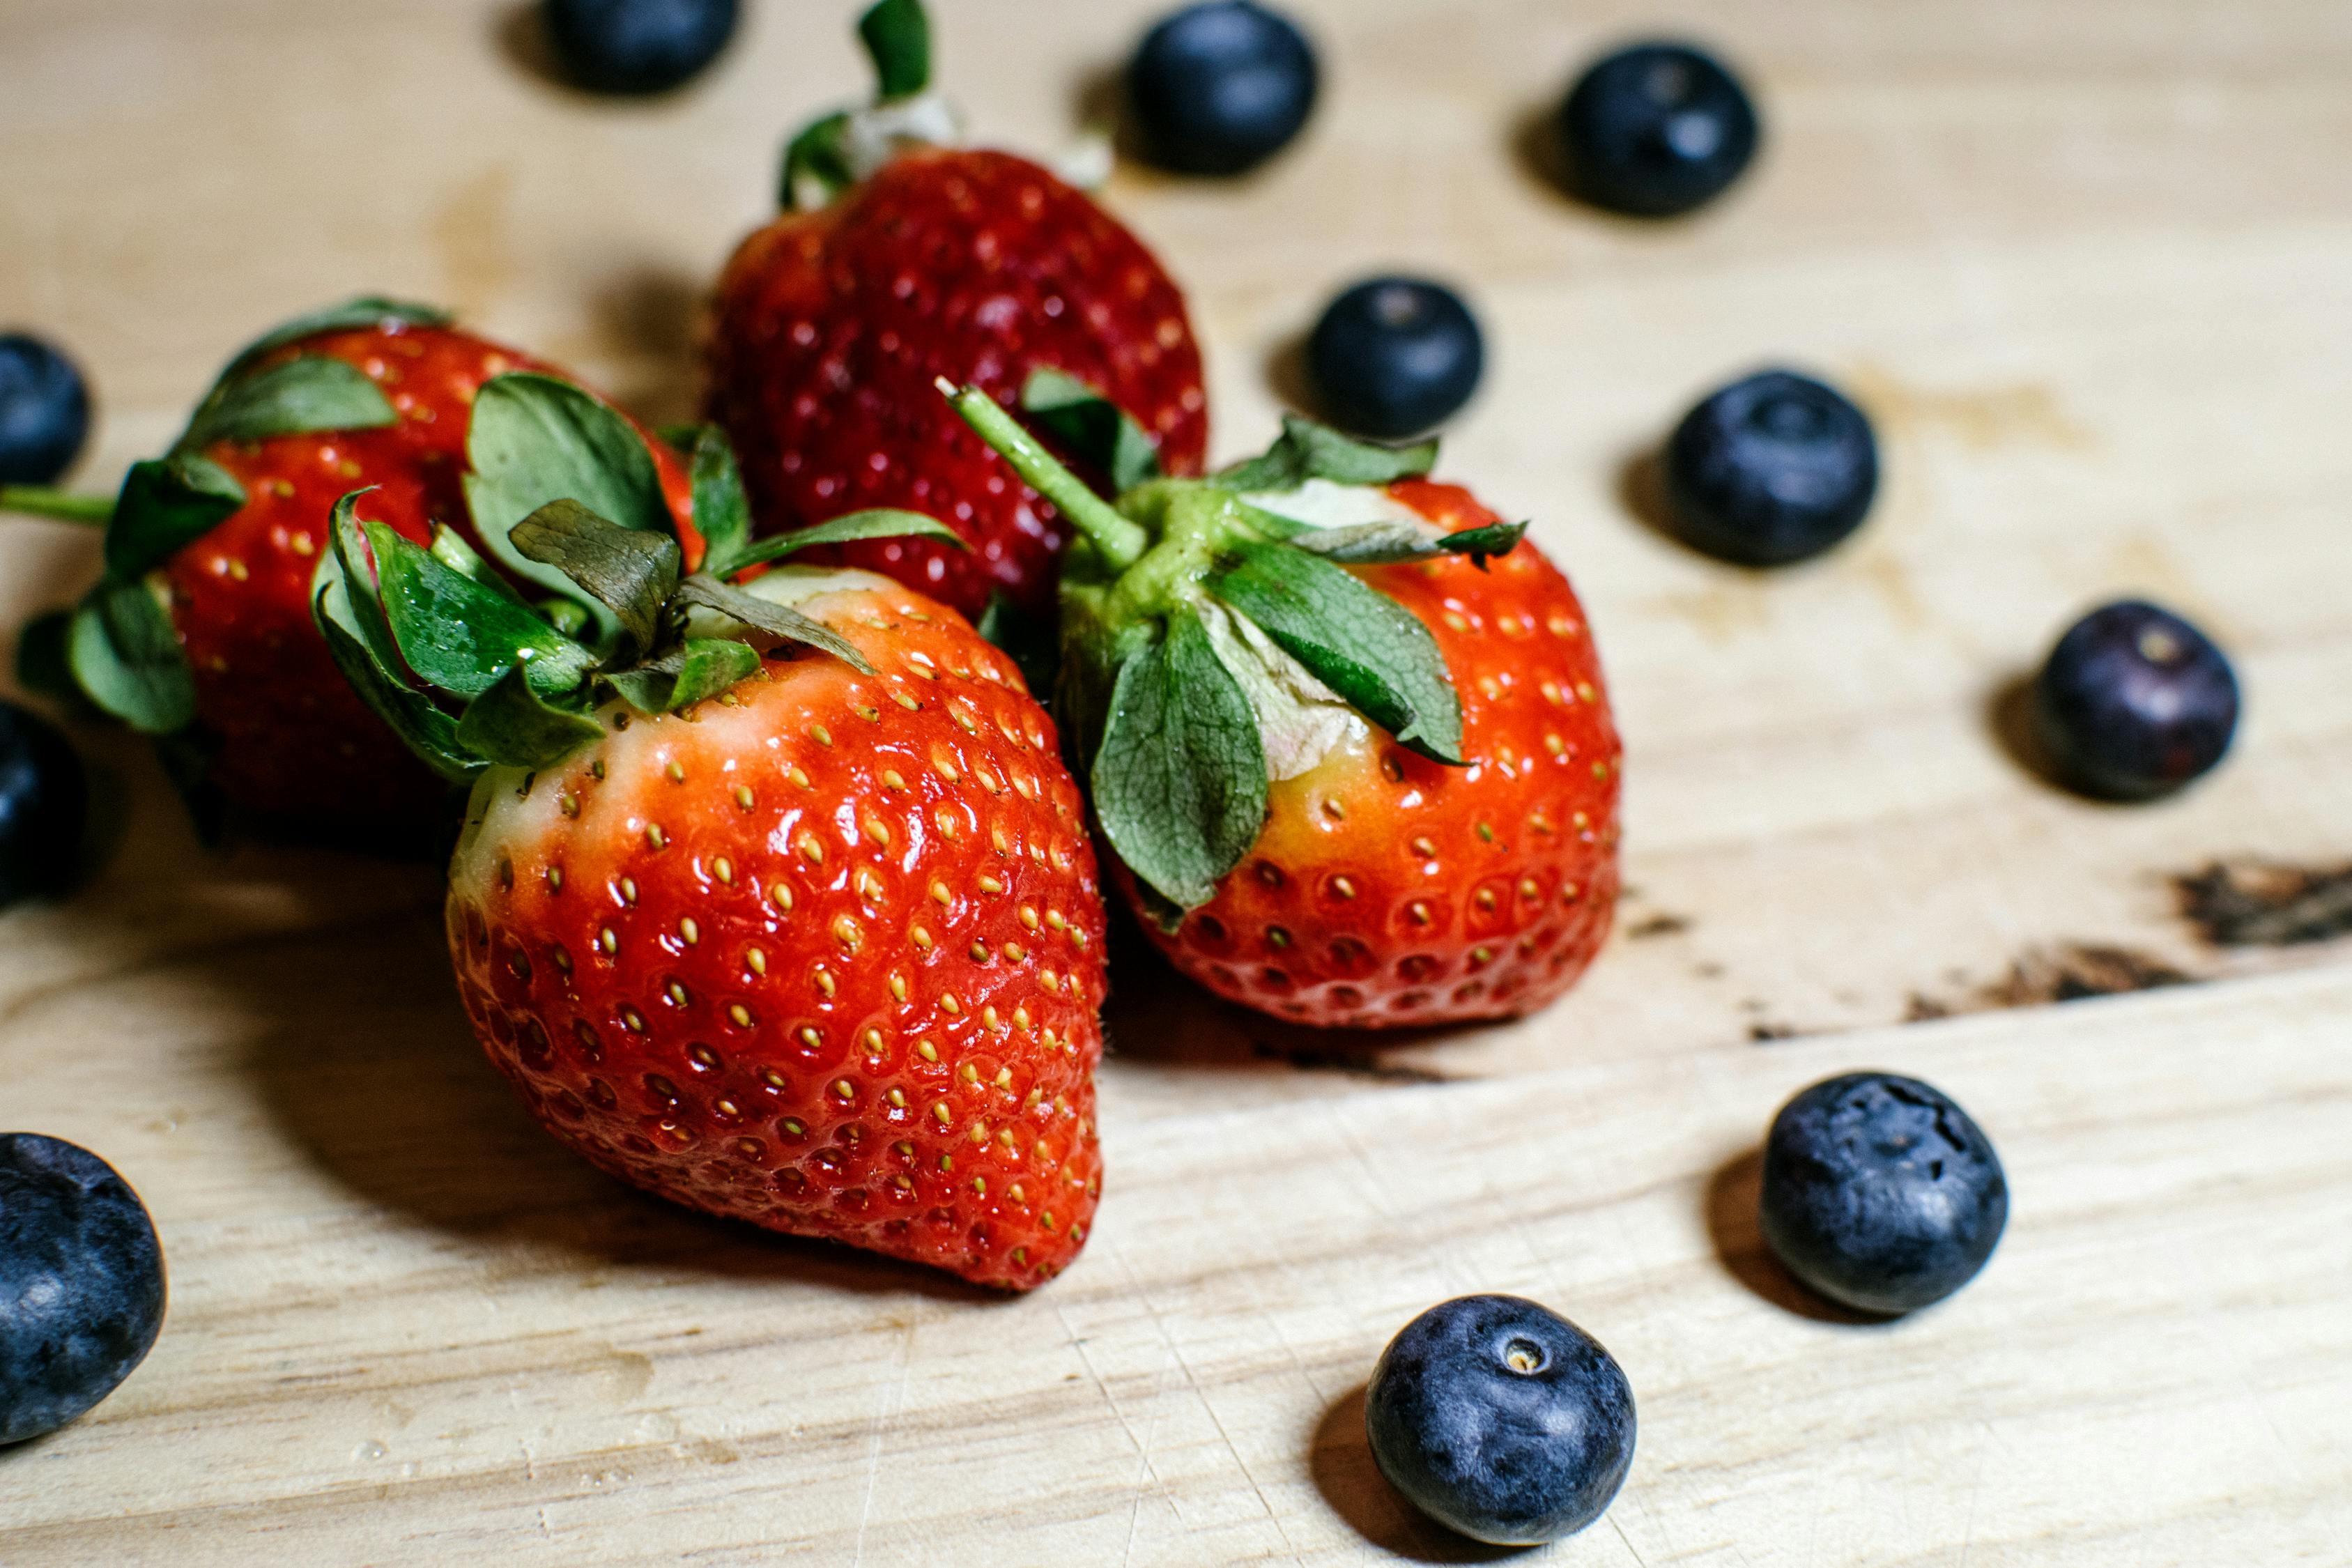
(406, 1327)
(2090, 267)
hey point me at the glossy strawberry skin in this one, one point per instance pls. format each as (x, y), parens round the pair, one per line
(830, 327)
(294, 743)
(1387, 891)
(715, 969)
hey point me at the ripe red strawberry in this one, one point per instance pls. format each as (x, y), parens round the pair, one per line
(201, 633)
(1347, 733)
(832, 320)
(812, 939)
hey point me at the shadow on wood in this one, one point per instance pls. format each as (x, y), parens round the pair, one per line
(368, 1064)
(1535, 152)
(1641, 491)
(2009, 719)
(521, 33)
(651, 318)
(1155, 1016)
(1351, 1483)
(1286, 376)
(1732, 1194)
(1099, 105)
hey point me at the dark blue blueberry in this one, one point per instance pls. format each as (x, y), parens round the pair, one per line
(1656, 130)
(1501, 1419)
(2135, 701)
(1772, 469)
(1393, 357)
(44, 800)
(44, 411)
(1880, 1192)
(638, 45)
(1221, 88)
(81, 1283)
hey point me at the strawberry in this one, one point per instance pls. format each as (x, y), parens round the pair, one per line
(200, 632)
(1344, 729)
(775, 900)
(898, 260)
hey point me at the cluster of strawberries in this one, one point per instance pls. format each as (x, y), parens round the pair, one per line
(776, 893)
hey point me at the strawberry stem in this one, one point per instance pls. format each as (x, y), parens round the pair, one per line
(60, 506)
(1120, 540)
(897, 39)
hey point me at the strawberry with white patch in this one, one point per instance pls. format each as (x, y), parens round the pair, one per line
(773, 899)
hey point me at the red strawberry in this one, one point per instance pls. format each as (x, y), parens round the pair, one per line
(1356, 771)
(812, 939)
(831, 322)
(223, 535)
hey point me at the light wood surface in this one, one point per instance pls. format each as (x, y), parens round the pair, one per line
(2090, 267)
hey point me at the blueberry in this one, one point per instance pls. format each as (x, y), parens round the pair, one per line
(1393, 357)
(638, 45)
(1773, 468)
(44, 411)
(1501, 1419)
(2135, 701)
(1656, 130)
(81, 1283)
(44, 799)
(1221, 88)
(1880, 1192)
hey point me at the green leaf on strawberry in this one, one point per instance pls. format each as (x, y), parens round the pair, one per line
(1310, 451)
(628, 571)
(423, 727)
(125, 655)
(817, 165)
(1180, 781)
(166, 505)
(1380, 543)
(879, 523)
(510, 725)
(347, 558)
(469, 676)
(762, 614)
(1360, 642)
(306, 393)
(830, 154)
(1091, 425)
(1215, 638)
(120, 647)
(534, 439)
(366, 310)
(450, 549)
(693, 671)
(458, 633)
(722, 514)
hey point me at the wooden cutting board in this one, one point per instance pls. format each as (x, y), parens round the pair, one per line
(2090, 268)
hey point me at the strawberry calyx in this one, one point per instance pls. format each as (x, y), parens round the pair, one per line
(116, 649)
(830, 154)
(1093, 428)
(469, 674)
(1214, 639)
(1094, 431)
